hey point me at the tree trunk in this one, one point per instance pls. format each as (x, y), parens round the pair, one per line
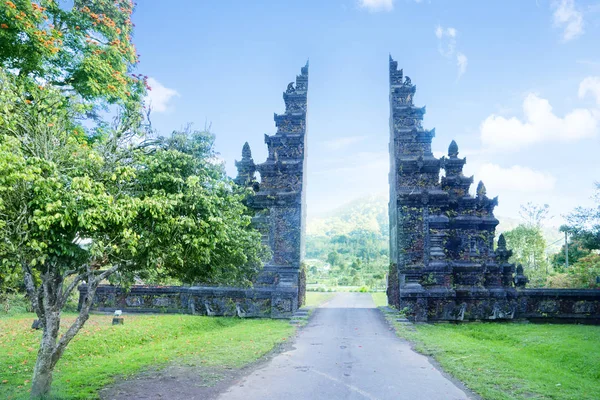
(50, 298)
(42, 379)
(44, 365)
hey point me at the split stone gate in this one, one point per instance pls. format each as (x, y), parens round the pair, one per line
(443, 262)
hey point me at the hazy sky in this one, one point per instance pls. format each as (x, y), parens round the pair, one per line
(516, 83)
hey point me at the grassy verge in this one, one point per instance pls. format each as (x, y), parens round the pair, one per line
(515, 361)
(380, 299)
(315, 299)
(100, 352)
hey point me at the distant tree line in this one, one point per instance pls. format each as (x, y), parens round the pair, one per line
(358, 258)
(583, 233)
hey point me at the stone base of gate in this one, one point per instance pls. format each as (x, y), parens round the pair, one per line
(478, 304)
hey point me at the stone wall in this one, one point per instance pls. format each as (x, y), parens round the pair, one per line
(563, 305)
(551, 305)
(266, 302)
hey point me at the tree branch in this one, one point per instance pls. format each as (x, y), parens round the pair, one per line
(32, 292)
(65, 296)
(106, 274)
(84, 313)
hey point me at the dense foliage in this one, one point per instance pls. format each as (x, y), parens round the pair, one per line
(195, 227)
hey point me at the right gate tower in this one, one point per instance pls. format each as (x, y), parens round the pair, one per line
(443, 264)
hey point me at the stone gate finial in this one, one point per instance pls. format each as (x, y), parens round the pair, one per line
(501, 242)
(481, 191)
(453, 150)
(304, 70)
(502, 253)
(246, 152)
(290, 88)
(246, 167)
(520, 278)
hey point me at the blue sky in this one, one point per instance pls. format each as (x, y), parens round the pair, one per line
(516, 83)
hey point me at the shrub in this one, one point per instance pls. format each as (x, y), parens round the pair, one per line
(13, 303)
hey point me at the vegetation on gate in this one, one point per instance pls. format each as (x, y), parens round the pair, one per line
(83, 197)
(102, 353)
(502, 361)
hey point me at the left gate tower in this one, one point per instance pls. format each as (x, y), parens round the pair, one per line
(279, 201)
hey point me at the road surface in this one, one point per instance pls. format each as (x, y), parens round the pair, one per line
(347, 351)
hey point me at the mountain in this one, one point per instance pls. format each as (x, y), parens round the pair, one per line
(367, 213)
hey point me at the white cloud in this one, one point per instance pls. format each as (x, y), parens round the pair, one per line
(568, 17)
(159, 96)
(340, 143)
(377, 5)
(447, 47)
(462, 62)
(447, 40)
(515, 178)
(540, 124)
(591, 85)
(589, 63)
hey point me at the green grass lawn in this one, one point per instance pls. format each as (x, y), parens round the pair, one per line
(101, 351)
(315, 299)
(380, 299)
(515, 361)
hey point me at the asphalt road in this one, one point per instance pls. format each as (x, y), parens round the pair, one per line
(347, 351)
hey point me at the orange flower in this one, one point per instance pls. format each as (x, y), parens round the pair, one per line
(28, 101)
(4, 26)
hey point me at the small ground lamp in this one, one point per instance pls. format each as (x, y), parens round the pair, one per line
(117, 319)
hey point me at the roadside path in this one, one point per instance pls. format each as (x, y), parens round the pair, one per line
(347, 351)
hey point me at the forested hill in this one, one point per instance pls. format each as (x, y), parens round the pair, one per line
(367, 213)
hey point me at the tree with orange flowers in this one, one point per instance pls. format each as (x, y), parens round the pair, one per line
(85, 50)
